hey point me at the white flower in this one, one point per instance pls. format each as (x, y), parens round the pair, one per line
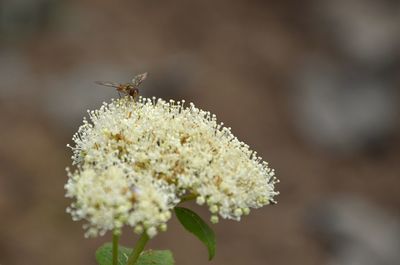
(150, 153)
(104, 198)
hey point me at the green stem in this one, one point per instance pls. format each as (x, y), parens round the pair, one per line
(137, 250)
(188, 197)
(115, 240)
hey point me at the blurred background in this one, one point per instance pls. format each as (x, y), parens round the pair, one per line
(313, 86)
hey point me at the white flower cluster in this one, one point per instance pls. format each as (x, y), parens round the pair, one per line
(136, 160)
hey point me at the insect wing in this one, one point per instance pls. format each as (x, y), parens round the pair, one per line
(109, 84)
(137, 80)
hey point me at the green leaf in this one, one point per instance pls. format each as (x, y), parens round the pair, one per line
(156, 257)
(150, 257)
(104, 254)
(194, 224)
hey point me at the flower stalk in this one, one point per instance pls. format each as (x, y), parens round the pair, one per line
(115, 241)
(138, 249)
(188, 197)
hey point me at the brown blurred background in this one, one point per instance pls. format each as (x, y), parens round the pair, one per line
(313, 86)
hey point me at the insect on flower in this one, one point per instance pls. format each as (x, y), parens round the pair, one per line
(131, 89)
